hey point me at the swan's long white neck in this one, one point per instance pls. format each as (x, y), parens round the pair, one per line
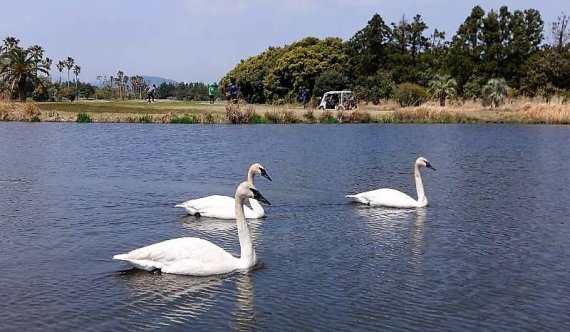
(247, 256)
(422, 199)
(255, 206)
(250, 176)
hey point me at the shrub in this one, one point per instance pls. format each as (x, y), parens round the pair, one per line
(68, 92)
(186, 119)
(408, 94)
(234, 115)
(40, 94)
(328, 117)
(35, 118)
(257, 119)
(494, 92)
(83, 118)
(443, 87)
(104, 94)
(472, 89)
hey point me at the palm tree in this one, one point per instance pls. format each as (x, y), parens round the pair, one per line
(442, 87)
(47, 64)
(126, 84)
(76, 71)
(9, 44)
(69, 62)
(119, 79)
(17, 66)
(60, 65)
(37, 53)
(495, 91)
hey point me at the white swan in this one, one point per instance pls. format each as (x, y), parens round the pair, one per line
(222, 207)
(198, 257)
(394, 198)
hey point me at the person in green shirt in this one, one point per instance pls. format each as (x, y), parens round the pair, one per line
(212, 92)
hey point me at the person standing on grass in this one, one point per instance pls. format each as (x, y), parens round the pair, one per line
(212, 92)
(305, 97)
(233, 92)
(151, 91)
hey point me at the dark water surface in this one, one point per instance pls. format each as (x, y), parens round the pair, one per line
(490, 252)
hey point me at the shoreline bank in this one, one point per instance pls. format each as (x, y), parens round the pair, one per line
(181, 112)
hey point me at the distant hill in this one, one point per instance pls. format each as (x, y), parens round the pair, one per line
(150, 80)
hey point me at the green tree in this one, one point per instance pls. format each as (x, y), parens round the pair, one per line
(368, 49)
(560, 30)
(18, 68)
(278, 74)
(330, 80)
(442, 87)
(463, 57)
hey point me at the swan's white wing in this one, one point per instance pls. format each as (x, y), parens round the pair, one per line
(384, 197)
(207, 202)
(192, 256)
(219, 207)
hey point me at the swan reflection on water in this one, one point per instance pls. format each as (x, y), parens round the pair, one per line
(388, 225)
(214, 226)
(161, 299)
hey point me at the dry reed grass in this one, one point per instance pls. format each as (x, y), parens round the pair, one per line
(545, 113)
(12, 111)
(430, 114)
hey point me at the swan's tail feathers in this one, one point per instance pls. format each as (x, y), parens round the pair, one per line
(142, 264)
(189, 209)
(120, 257)
(356, 199)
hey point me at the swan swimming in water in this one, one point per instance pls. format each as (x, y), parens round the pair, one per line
(198, 257)
(222, 207)
(394, 198)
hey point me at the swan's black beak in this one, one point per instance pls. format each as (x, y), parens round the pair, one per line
(265, 175)
(259, 197)
(428, 165)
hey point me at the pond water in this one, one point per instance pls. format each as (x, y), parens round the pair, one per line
(490, 252)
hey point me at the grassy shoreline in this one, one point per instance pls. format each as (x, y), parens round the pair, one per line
(517, 111)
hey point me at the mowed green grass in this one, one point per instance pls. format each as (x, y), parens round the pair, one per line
(134, 107)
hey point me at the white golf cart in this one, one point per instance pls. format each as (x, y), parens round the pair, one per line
(338, 100)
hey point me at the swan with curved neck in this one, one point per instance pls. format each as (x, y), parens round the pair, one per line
(198, 257)
(222, 207)
(394, 198)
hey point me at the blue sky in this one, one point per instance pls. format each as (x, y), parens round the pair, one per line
(200, 40)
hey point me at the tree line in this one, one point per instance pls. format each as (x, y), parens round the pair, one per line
(25, 72)
(491, 54)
